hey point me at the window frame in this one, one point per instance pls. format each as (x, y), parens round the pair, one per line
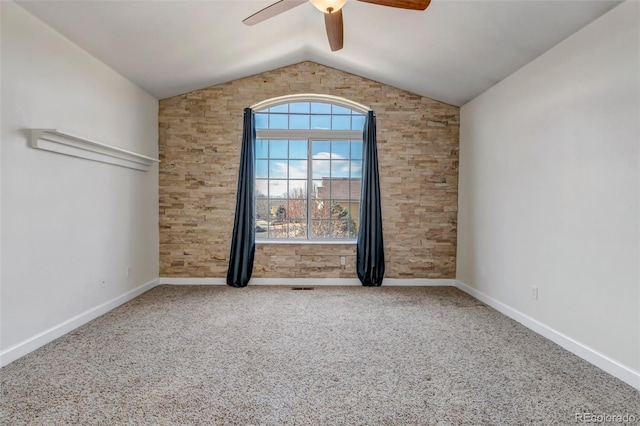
(309, 135)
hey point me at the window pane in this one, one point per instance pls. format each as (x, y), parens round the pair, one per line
(321, 169)
(339, 209)
(339, 168)
(297, 169)
(298, 189)
(278, 149)
(340, 228)
(340, 150)
(262, 121)
(278, 121)
(299, 107)
(322, 122)
(278, 169)
(277, 189)
(262, 209)
(298, 228)
(298, 149)
(340, 122)
(277, 230)
(261, 230)
(262, 168)
(280, 108)
(335, 109)
(321, 149)
(262, 187)
(320, 228)
(321, 209)
(320, 190)
(262, 148)
(353, 232)
(357, 122)
(297, 209)
(356, 169)
(356, 187)
(298, 121)
(356, 150)
(277, 208)
(278, 219)
(320, 108)
(355, 217)
(339, 188)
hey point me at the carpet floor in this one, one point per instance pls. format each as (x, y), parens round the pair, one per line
(214, 355)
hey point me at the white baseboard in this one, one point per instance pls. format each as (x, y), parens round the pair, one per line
(192, 281)
(600, 360)
(388, 282)
(418, 282)
(616, 369)
(29, 345)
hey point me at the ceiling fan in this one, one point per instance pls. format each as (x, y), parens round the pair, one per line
(332, 10)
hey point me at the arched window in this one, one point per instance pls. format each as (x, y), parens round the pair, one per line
(308, 168)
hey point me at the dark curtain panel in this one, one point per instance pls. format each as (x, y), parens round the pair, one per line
(243, 242)
(370, 251)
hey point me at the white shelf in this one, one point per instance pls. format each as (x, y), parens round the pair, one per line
(65, 143)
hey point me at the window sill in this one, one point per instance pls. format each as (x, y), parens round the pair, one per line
(308, 242)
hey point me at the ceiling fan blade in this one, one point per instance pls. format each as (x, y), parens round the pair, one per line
(402, 4)
(271, 11)
(335, 31)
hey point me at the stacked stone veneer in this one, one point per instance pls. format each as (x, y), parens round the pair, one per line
(200, 136)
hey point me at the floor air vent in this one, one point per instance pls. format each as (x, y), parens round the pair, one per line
(301, 288)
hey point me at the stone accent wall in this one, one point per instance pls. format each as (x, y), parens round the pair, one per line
(200, 136)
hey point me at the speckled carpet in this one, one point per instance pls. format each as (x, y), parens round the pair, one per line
(200, 355)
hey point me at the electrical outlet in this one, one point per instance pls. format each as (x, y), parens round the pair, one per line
(343, 260)
(534, 292)
(128, 271)
(102, 281)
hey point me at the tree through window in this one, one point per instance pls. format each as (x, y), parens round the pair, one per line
(308, 171)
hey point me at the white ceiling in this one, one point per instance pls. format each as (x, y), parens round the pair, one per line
(451, 52)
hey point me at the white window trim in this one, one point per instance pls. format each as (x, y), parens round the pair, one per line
(310, 97)
(309, 134)
(303, 241)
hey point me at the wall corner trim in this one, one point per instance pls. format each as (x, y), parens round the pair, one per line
(61, 142)
(600, 360)
(31, 344)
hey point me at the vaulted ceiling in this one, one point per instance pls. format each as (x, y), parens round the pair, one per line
(451, 52)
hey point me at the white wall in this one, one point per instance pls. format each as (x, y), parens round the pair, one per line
(550, 189)
(67, 221)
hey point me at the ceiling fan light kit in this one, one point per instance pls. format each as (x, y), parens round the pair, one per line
(328, 6)
(332, 10)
